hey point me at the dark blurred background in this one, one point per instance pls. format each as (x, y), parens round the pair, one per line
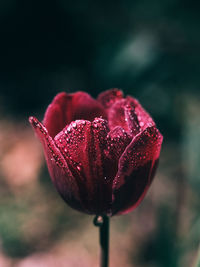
(149, 49)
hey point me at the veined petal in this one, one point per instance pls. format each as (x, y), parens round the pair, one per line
(69, 107)
(136, 169)
(57, 166)
(82, 144)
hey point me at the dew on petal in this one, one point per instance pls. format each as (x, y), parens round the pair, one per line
(78, 167)
(100, 153)
(68, 130)
(108, 98)
(74, 125)
(131, 119)
(95, 125)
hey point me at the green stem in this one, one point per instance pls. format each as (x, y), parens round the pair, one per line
(103, 223)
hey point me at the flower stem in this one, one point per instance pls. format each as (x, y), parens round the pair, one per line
(103, 223)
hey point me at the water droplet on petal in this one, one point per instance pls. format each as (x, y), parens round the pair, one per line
(78, 167)
(95, 125)
(68, 130)
(74, 125)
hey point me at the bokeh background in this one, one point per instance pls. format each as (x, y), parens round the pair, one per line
(151, 50)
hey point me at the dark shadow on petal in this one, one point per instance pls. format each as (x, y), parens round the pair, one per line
(131, 193)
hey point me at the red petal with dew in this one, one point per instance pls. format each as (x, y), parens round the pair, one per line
(61, 175)
(143, 116)
(83, 145)
(136, 170)
(122, 113)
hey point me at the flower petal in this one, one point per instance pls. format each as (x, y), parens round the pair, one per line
(69, 107)
(82, 144)
(122, 113)
(85, 107)
(136, 169)
(143, 116)
(58, 113)
(117, 140)
(57, 166)
(109, 97)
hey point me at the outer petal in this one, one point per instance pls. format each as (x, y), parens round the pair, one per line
(61, 176)
(84, 144)
(136, 170)
(109, 97)
(69, 107)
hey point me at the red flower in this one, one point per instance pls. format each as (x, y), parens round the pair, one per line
(101, 154)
